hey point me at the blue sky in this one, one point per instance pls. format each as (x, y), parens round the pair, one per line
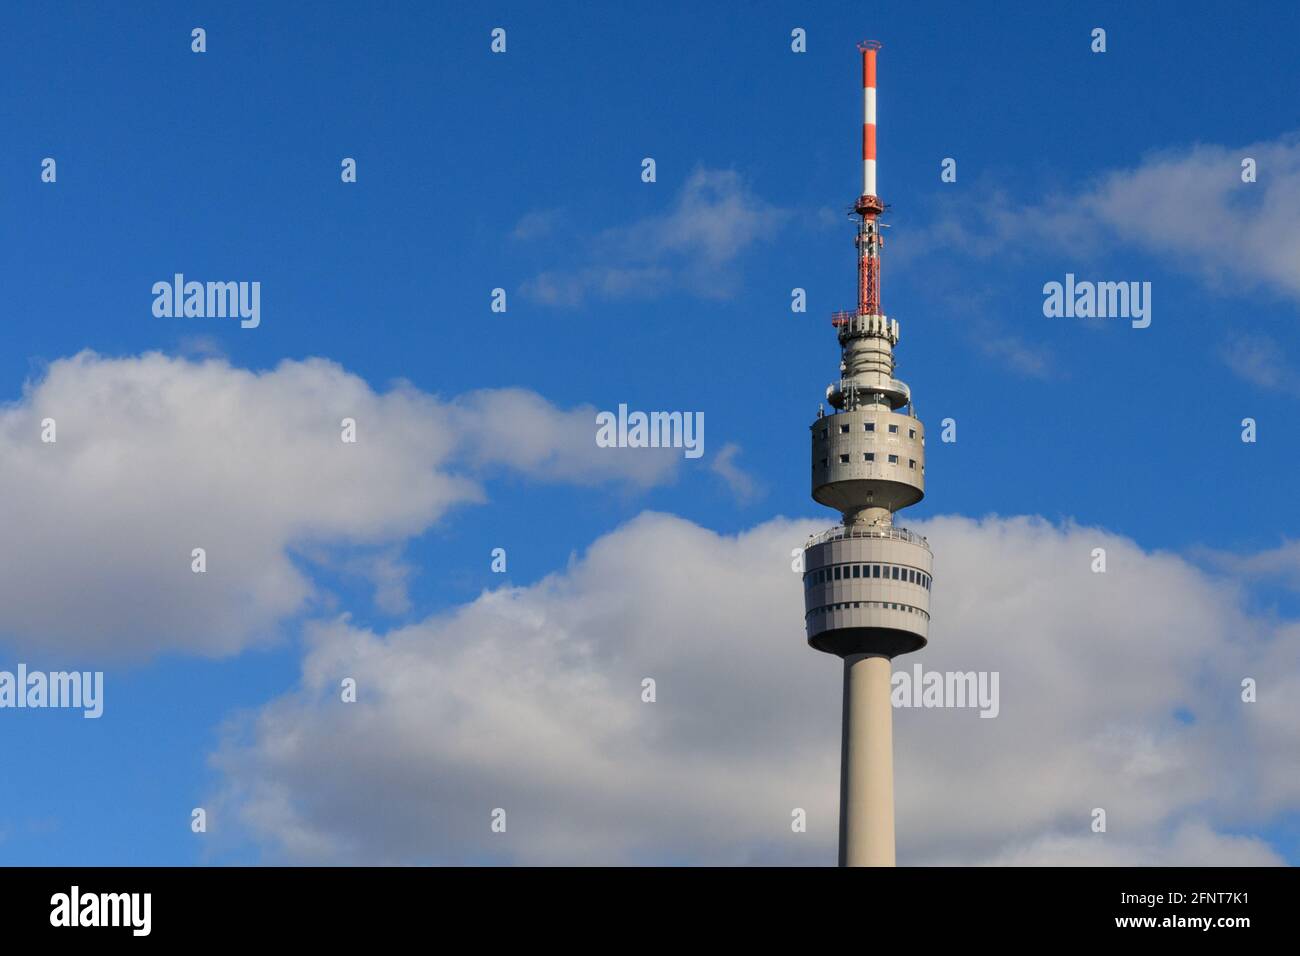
(478, 171)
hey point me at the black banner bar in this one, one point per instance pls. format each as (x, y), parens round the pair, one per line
(210, 905)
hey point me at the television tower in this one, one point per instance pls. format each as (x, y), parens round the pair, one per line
(867, 581)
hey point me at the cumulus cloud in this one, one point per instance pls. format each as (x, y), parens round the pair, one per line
(156, 456)
(1118, 690)
(694, 246)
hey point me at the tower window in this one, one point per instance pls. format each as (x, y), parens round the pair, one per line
(875, 570)
(837, 572)
(893, 429)
(844, 429)
(844, 459)
(893, 459)
(869, 456)
(893, 574)
(911, 433)
(857, 570)
(911, 463)
(870, 426)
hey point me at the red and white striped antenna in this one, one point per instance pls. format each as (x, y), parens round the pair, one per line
(869, 204)
(869, 48)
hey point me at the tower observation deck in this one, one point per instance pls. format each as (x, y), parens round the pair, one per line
(867, 581)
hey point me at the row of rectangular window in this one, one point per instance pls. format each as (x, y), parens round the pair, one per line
(891, 572)
(860, 604)
(871, 456)
(871, 427)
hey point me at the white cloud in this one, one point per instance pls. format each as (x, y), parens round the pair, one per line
(517, 429)
(529, 699)
(1191, 844)
(1193, 209)
(1281, 564)
(714, 219)
(1259, 360)
(1188, 207)
(537, 224)
(1029, 360)
(742, 484)
(157, 456)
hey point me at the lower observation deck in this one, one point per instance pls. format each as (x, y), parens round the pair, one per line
(867, 591)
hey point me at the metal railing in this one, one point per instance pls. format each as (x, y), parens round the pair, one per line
(840, 532)
(833, 411)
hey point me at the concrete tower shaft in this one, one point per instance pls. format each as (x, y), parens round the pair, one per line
(867, 764)
(867, 582)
